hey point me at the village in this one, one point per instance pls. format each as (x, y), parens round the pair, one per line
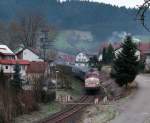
(40, 75)
(29, 59)
(74, 61)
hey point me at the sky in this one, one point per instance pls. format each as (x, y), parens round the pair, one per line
(127, 3)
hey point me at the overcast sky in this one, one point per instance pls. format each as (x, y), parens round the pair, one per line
(127, 3)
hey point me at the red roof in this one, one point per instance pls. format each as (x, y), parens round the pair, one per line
(68, 58)
(13, 62)
(37, 67)
(144, 47)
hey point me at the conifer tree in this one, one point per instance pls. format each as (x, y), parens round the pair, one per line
(16, 83)
(104, 55)
(93, 61)
(110, 54)
(125, 66)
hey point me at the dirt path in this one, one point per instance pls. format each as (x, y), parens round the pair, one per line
(137, 109)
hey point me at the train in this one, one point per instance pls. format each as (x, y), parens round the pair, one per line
(90, 77)
(92, 80)
(79, 72)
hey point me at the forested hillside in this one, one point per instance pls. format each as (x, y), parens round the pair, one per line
(99, 19)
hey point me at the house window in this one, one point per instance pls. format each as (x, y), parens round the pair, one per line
(6, 67)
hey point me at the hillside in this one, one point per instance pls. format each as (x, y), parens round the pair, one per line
(98, 20)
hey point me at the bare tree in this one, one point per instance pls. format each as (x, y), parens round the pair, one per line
(30, 24)
(25, 29)
(4, 38)
(6, 105)
(14, 34)
(37, 87)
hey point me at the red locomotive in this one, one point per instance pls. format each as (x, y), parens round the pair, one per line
(92, 81)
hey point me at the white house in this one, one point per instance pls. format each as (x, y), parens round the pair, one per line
(81, 60)
(8, 61)
(8, 67)
(138, 53)
(27, 54)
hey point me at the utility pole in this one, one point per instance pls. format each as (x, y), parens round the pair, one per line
(44, 41)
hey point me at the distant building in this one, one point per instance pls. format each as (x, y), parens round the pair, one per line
(82, 60)
(27, 54)
(64, 59)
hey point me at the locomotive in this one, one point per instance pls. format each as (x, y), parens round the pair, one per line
(92, 80)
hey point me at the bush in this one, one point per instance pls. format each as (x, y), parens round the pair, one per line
(48, 96)
(29, 103)
(1, 118)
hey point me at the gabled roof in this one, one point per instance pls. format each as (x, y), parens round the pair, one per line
(4, 50)
(22, 48)
(19, 49)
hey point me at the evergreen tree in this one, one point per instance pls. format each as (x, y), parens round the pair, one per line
(104, 55)
(16, 83)
(93, 61)
(125, 67)
(110, 54)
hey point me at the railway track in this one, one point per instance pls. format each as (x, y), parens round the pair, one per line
(70, 111)
(73, 108)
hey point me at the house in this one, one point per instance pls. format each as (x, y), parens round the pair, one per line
(145, 53)
(8, 66)
(82, 60)
(29, 54)
(8, 60)
(37, 69)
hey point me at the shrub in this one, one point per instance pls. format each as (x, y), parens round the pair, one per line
(1, 118)
(29, 103)
(48, 96)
